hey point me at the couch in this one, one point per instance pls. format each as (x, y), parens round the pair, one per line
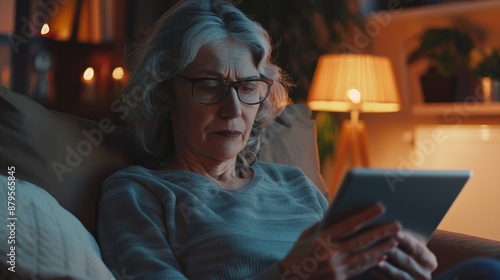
(52, 165)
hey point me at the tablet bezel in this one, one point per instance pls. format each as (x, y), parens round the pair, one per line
(418, 199)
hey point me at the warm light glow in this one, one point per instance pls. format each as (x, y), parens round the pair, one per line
(354, 95)
(485, 133)
(45, 29)
(118, 73)
(5, 73)
(62, 19)
(338, 74)
(88, 74)
(486, 82)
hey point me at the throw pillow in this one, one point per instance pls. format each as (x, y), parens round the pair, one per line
(43, 240)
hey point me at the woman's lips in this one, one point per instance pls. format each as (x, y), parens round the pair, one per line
(229, 133)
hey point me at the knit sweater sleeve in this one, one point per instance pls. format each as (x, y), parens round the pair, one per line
(132, 235)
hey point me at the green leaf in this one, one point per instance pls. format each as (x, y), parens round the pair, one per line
(327, 134)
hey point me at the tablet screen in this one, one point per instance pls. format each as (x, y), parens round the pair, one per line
(418, 199)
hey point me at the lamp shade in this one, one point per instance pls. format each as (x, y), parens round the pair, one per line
(345, 82)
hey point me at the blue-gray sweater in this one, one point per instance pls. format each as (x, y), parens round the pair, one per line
(177, 224)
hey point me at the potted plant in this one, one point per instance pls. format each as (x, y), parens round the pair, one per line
(448, 51)
(486, 65)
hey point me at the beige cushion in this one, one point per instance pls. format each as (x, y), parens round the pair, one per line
(66, 155)
(291, 140)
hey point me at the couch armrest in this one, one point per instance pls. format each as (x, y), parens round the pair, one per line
(452, 248)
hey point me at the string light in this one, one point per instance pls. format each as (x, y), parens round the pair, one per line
(88, 74)
(118, 73)
(45, 29)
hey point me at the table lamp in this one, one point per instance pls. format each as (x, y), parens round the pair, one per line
(352, 83)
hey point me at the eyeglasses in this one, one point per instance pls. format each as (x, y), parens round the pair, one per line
(210, 91)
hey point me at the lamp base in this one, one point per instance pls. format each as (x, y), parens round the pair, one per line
(352, 143)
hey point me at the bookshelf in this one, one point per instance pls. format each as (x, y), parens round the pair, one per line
(55, 42)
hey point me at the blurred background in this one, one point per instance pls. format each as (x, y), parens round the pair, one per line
(69, 54)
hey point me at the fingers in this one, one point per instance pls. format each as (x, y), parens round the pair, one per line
(344, 266)
(372, 236)
(412, 260)
(406, 266)
(389, 270)
(355, 222)
(415, 246)
(350, 247)
(362, 263)
(348, 258)
(364, 260)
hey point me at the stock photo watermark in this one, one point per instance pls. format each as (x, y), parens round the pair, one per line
(11, 218)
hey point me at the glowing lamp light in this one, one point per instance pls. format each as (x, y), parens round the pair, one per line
(337, 85)
(354, 95)
(88, 74)
(338, 74)
(118, 73)
(485, 133)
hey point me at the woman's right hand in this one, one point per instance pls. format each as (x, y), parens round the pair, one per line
(341, 250)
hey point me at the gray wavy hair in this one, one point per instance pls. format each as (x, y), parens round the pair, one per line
(172, 44)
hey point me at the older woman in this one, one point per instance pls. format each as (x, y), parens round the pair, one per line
(200, 206)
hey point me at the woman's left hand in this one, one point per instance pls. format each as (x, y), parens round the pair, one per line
(410, 260)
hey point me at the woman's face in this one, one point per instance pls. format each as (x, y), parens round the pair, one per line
(214, 133)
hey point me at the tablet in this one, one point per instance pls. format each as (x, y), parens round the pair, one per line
(418, 199)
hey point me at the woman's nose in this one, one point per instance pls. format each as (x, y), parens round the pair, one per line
(231, 104)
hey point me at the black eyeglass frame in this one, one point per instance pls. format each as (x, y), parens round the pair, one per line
(228, 84)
